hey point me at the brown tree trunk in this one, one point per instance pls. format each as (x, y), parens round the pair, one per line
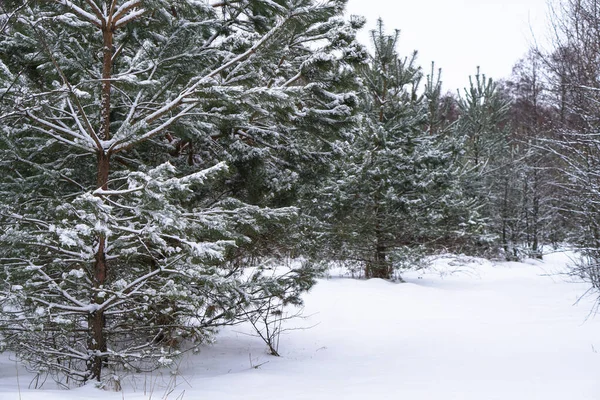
(97, 344)
(504, 217)
(96, 320)
(380, 267)
(107, 63)
(536, 214)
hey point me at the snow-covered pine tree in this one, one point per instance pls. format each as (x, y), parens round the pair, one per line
(113, 250)
(442, 109)
(488, 157)
(483, 117)
(394, 185)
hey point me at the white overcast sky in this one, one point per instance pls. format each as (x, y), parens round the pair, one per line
(459, 35)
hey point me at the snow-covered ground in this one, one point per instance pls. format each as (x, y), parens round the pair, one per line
(462, 329)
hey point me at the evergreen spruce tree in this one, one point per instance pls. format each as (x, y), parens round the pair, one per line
(127, 130)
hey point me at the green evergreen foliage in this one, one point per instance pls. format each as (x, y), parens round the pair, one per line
(487, 157)
(482, 121)
(148, 152)
(394, 185)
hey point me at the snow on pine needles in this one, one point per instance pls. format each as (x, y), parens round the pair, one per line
(461, 328)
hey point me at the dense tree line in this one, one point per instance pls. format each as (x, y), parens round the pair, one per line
(158, 158)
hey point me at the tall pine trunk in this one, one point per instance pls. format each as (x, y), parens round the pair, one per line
(97, 320)
(379, 267)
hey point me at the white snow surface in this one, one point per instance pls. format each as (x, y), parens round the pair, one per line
(460, 329)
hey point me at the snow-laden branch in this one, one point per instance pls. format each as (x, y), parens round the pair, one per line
(80, 305)
(125, 144)
(102, 192)
(129, 17)
(81, 12)
(72, 353)
(62, 139)
(90, 130)
(120, 146)
(58, 128)
(96, 9)
(84, 309)
(200, 176)
(123, 8)
(121, 297)
(134, 286)
(91, 136)
(80, 256)
(27, 219)
(292, 80)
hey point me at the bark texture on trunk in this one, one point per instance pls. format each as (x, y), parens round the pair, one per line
(97, 343)
(96, 320)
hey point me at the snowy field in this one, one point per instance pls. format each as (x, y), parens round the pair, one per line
(462, 329)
